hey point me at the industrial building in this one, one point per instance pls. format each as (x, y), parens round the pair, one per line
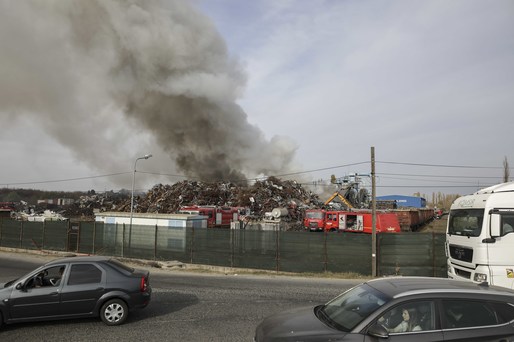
(405, 201)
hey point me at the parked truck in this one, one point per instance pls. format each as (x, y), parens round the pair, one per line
(359, 221)
(480, 236)
(216, 216)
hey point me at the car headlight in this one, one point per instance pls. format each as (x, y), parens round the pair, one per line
(480, 277)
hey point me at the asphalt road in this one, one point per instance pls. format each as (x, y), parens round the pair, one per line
(185, 306)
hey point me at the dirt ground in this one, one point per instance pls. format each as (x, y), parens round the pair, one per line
(437, 226)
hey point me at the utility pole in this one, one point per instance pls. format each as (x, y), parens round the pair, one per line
(374, 217)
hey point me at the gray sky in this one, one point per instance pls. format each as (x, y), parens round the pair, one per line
(270, 88)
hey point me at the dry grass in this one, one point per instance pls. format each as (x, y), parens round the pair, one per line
(436, 226)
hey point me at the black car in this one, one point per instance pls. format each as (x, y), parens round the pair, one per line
(76, 287)
(401, 309)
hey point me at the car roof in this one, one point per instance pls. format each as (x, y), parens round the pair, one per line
(396, 287)
(79, 259)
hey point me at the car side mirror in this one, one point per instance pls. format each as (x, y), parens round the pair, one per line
(378, 330)
(20, 286)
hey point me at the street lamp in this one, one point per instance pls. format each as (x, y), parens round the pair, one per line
(146, 156)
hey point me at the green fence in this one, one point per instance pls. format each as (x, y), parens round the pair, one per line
(420, 254)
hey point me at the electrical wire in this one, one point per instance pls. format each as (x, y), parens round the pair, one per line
(381, 175)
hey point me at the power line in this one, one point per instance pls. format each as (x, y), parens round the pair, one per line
(441, 165)
(429, 180)
(68, 179)
(288, 174)
(435, 176)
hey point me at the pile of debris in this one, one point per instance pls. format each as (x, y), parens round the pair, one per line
(261, 197)
(87, 204)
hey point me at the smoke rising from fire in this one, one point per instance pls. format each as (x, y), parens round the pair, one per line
(112, 80)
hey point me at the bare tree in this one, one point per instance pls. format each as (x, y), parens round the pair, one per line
(506, 170)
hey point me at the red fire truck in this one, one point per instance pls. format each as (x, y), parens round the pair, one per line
(216, 216)
(350, 221)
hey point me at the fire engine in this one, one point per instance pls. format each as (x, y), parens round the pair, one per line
(350, 221)
(216, 216)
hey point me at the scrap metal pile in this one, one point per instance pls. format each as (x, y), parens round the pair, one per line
(261, 197)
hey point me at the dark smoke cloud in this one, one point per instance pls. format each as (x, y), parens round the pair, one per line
(130, 77)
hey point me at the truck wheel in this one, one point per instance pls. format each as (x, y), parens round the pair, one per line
(114, 312)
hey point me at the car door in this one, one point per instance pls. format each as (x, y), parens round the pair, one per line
(83, 286)
(410, 321)
(34, 298)
(477, 320)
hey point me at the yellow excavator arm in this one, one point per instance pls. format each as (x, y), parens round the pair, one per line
(341, 197)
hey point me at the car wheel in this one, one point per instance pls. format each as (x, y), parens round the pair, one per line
(114, 312)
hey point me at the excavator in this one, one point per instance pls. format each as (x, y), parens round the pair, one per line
(350, 192)
(341, 197)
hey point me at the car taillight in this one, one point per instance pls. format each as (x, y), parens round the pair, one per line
(144, 284)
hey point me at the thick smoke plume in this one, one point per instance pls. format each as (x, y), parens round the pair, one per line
(114, 79)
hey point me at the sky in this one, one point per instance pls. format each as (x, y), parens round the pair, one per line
(235, 90)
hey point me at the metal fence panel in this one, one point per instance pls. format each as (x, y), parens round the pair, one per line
(11, 233)
(87, 238)
(411, 254)
(255, 249)
(212, 247)
(32, 235)
(420, 254)
(56, 235)
(140, 242)
(349, 253)
(439, 265)
(301, 252)
(173, 243)
(111, 237)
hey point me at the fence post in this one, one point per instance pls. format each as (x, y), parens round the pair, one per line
(43, 233)
(94, 238)
(123, 241)
(78, 236)
(192, 243)
(433, 255)
(21, 235)
(155, 244)
(232, 247)
(115, 237)
(325, 252)
(277, 254)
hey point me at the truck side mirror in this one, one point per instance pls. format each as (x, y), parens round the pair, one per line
(494, 225)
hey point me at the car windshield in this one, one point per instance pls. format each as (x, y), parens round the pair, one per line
(467, 222)
(350, 308)
(314, 214)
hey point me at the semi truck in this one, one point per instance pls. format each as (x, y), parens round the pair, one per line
(480, 236)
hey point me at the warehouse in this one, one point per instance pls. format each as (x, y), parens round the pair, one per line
(405, 201)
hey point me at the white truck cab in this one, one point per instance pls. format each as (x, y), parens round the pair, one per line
(480, 236)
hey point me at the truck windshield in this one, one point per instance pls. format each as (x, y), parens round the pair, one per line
(467, 222)
(314, 215)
